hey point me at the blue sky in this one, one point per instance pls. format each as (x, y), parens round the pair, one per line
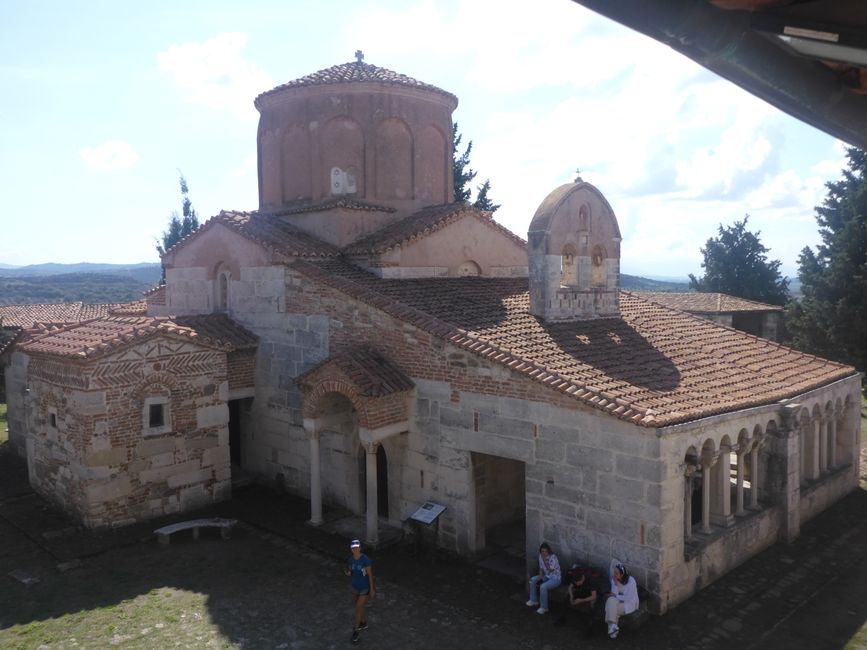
(103, 103)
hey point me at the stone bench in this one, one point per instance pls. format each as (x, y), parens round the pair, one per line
(225, 525)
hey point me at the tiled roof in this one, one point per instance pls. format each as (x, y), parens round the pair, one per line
(155, 295)
(27, 316)
(272, 233)
(706, 303)
(422, 223)
(354, 72)
(654, 366)
(372, 374)
(219, 329)
(105, 335)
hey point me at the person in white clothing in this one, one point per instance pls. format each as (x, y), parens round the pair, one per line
(622, 600)
(549, 578)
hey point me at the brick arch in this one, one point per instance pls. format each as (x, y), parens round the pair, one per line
(157, 382)
(312, 403)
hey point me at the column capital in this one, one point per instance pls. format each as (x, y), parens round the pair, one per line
(310, 427)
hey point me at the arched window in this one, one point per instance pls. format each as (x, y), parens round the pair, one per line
(569, 269)
(469, 269)
(222, 280)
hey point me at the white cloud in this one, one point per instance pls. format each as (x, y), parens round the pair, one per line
(215, 74)
(109, 156)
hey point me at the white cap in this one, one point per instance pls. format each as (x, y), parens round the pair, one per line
(355, 544)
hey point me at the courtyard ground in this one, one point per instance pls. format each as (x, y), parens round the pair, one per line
(278, 584)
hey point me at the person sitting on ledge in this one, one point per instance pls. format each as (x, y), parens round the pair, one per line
(621, 600)
(548, 578)
(582, 592)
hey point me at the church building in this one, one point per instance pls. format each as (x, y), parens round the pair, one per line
(373, 345)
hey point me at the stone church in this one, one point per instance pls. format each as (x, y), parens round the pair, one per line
(374, 345)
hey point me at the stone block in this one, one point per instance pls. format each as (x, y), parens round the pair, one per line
(189, 478)
(559, 434)
(456, 418)
(158, 474)
(622, 488)
(613, 524)
(212, 416)
(563, 493)
(554, 452)
(208, 441)
(215, 456)
(508, 427)
(193, 497)
(599, 459)
(109, 457)
(640, 468)
(155, 446)
(108, 490)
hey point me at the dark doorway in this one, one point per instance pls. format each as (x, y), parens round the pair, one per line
(235, 431)
(381, 482)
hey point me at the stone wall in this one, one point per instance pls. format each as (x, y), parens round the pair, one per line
(16, 400)
(98, 457)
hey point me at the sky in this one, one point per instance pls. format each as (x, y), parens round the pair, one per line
(103, 103)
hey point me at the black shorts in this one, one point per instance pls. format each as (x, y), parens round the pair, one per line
(363, 592)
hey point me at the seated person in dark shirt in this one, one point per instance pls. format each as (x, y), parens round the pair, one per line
(582, 593)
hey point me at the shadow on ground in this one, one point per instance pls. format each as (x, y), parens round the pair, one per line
(278, 584)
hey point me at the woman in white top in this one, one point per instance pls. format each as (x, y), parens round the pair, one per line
(622, 600)
(549, 578)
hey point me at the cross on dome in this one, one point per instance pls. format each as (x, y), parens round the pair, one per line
(359, 56)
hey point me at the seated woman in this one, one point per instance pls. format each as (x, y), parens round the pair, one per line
(548, 578)
(621, 600)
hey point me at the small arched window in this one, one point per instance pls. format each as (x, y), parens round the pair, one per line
(221, 289)
(469, 269)
(569, 267)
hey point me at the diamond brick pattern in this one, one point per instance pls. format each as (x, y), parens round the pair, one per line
(654, 366)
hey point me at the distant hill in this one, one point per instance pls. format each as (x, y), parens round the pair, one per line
(145, 272)
(120, 286)
(637, 283)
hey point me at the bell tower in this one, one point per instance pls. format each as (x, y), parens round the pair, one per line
(574, 256)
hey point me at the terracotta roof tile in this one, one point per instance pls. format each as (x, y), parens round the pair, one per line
(372, 374)
(268, 231)
(422, 223)
(706, 303)
(62, 312)
(353, 72)
(101, 336)
(661, 365)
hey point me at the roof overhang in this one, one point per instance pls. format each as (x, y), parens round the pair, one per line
(743, 44)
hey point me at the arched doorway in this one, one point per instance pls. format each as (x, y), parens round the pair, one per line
(338, 433)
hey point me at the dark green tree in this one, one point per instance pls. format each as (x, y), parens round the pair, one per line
(829, 319)
(464, 175)
(482, 201)
(736, 263)
(180, 225)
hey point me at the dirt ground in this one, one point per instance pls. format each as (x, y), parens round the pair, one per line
(278, 584)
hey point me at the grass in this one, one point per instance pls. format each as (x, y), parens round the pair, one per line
(3, 435)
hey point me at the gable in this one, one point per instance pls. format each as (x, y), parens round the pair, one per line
(460, 244)
(208, 248)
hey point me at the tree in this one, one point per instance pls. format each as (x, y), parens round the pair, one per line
(736, 263)
(482, 201)
(180, 225)
(464, 175)
(830, 317)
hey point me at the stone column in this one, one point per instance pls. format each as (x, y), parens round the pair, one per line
(721, 513)
(707, 462)
(315, 474)
(754, 476)
(823, 446)
(372, 513)
(741, 471)
(832, 441)
(790, 444)
(813, 470)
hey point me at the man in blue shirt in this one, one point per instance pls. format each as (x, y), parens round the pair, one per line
(360, 568)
